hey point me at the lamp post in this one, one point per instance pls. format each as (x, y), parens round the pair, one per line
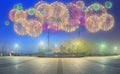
(42, 44)
(115, 49)
(16, 46)
(48, 40)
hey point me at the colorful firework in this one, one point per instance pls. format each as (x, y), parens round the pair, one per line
(108, 4)
(18, 7)
(19, 28)
(96, 6)
(93, 24)
(7, 23)
(12, 14)
(44, 11)
(70, 28)
(75, 11)
(80, 4)
(91, 10)
(58, 16)
(20, 16)
(31, 11)
(34, 28)
(108, 23)
(75, 16)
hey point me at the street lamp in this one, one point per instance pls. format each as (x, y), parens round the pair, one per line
(56, 46)
(102, 48)
(115, 49)
(41, 43)
(16, 46)
(41, 46)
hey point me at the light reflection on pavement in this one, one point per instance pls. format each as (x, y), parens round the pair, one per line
(35, 65)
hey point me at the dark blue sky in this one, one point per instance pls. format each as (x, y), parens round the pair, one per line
(29, 44)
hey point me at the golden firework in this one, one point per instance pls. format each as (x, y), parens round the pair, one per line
(92, 24)
(20, 28)
(90, 11)
(80, 4)
(12, 14)
(60, 16)
(34, 27)
(43, 11)
(20, 16)
(70, 28)
(108, 23)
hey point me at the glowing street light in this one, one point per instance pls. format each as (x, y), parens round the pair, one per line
(16, 46)
(56, 46)
(115, 49)
(102, 46)
(41, 43)
(77, 43)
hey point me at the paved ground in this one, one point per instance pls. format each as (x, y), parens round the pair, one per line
(34, 65)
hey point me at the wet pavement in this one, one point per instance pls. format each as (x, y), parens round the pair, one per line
(35, 65)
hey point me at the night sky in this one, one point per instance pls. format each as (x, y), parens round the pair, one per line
(28, 44)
